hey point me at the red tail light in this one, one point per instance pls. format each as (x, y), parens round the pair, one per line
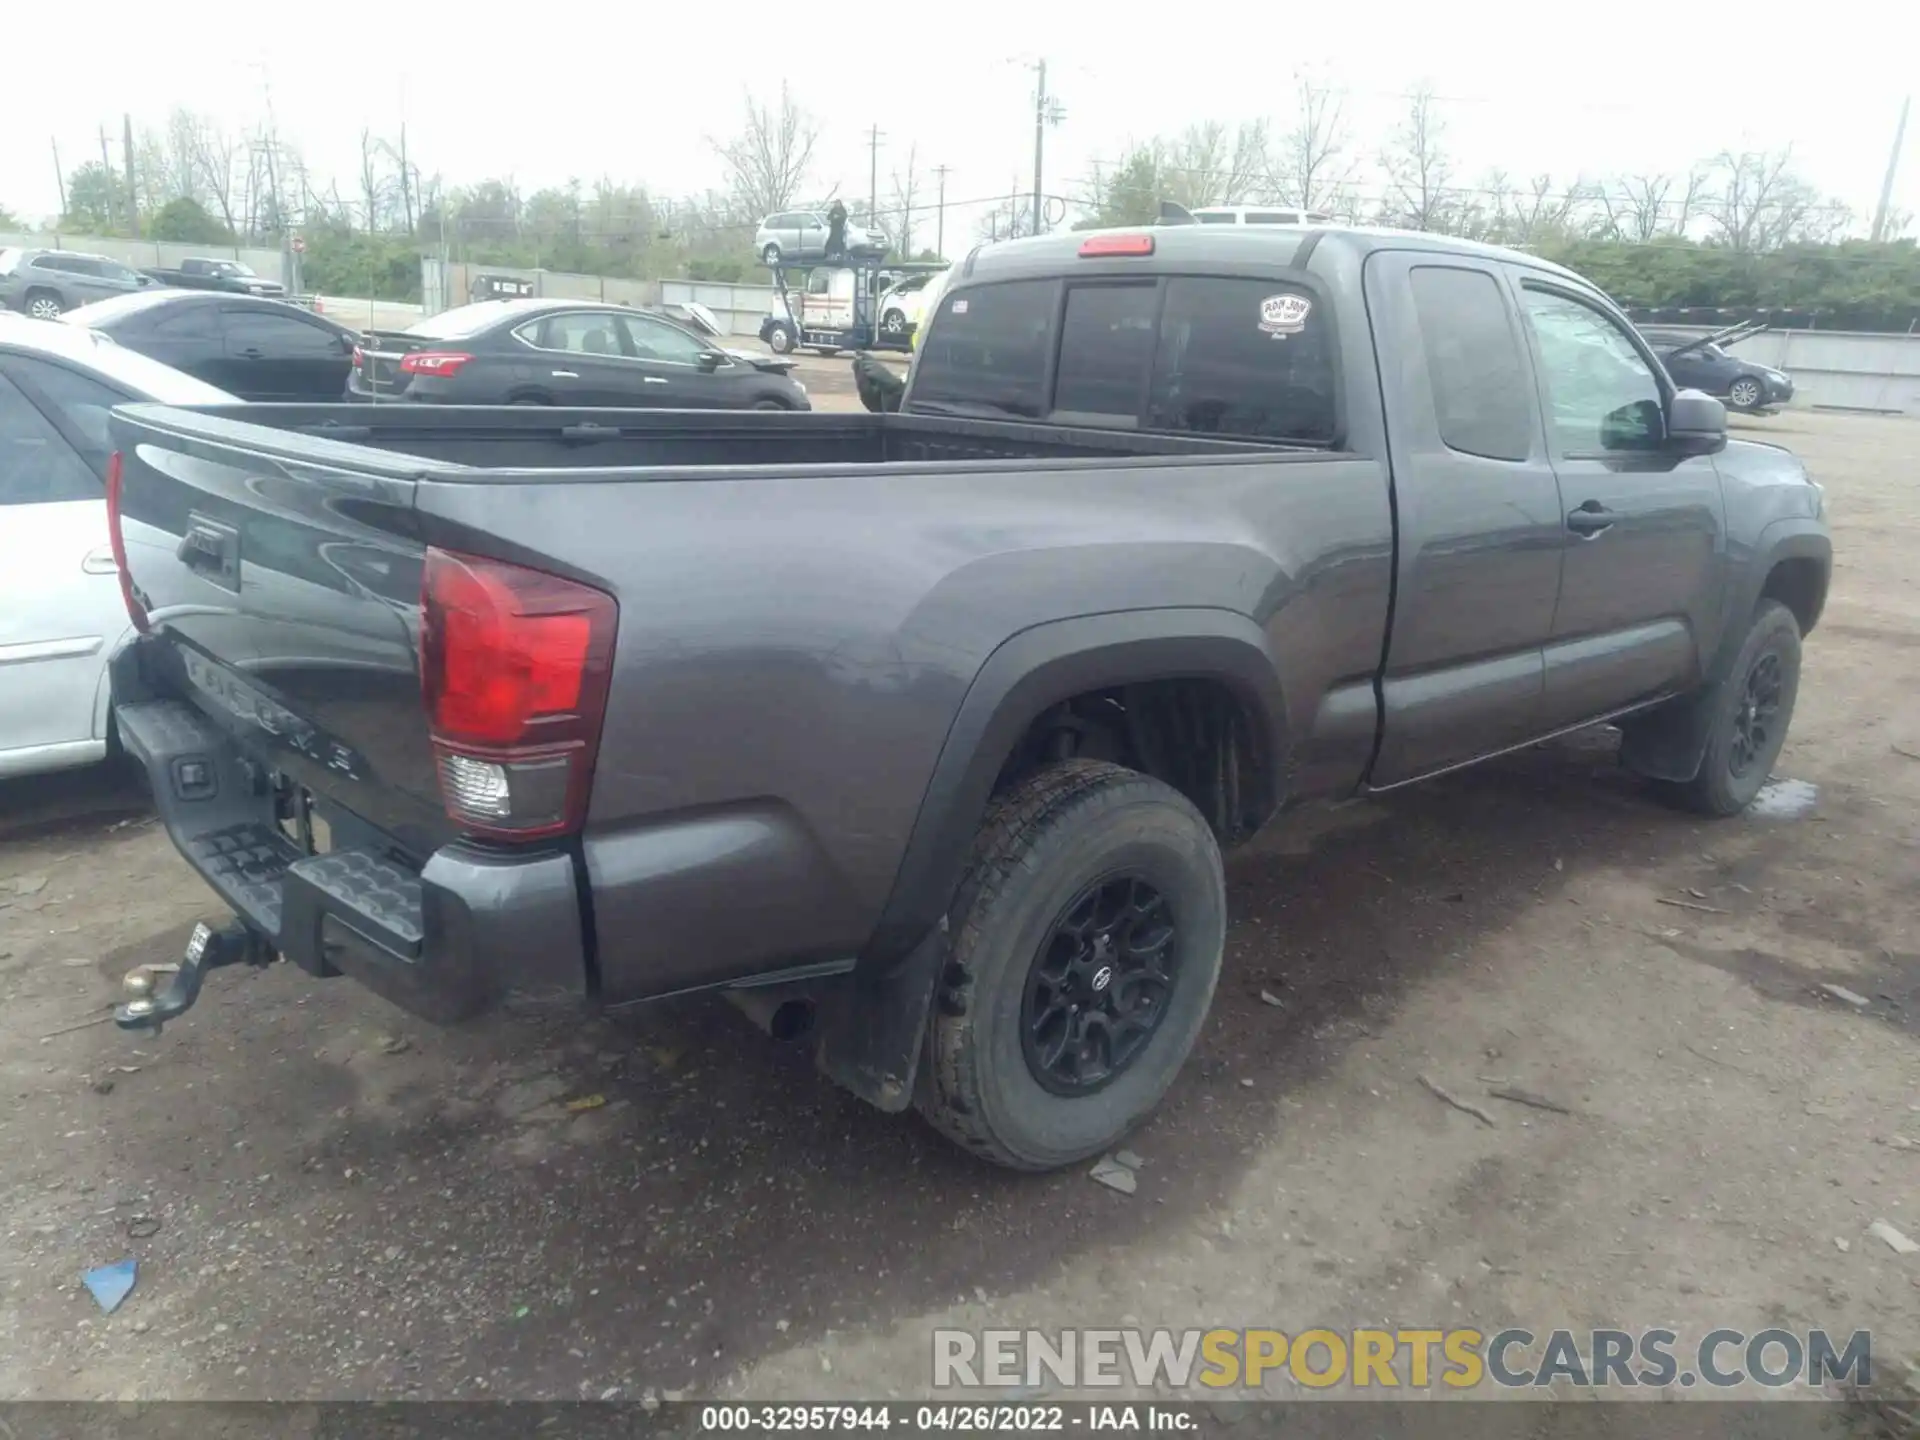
(1117, 245)
(514, 667)
(136, 612)
(434, 362)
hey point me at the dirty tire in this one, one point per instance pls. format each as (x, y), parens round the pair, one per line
(1717, 790)
(1044, 841)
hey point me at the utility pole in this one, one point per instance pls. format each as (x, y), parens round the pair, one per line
(874, 137)
(1039, 139)
(113, 186)
(133, 195)
(60, 177)
(940, 225)
(1893, 167)
(1046, 111)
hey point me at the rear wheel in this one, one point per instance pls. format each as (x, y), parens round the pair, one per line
(893, 325)
(1745, 393)
(1087, 941)
(528, 397)
(769, 254)
(44, 305)
(1750, 716)
(769, 405)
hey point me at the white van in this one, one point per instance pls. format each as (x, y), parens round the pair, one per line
(1260, 215)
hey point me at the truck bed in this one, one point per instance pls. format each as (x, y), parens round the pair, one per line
(520, 437)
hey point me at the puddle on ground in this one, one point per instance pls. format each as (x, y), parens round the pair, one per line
(1784, 800)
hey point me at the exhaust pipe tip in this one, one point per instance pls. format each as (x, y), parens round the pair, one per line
(785, 1018)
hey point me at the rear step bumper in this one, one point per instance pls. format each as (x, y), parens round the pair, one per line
(445, 942)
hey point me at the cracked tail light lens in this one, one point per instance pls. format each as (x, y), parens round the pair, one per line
(514, 670)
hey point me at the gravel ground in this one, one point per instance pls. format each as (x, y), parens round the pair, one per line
(328, 1200)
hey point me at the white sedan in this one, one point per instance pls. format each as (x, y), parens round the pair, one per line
(61, 612)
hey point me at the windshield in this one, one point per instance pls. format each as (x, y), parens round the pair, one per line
(463, 320)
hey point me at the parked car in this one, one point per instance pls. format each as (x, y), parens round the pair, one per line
(46, 283)
(1260, 215)
(500, 287)
(1700, 363)
(264, 350)
(799, 235)
(901, 307)
(61, 612)
(930, 727)
(566, 352)
(231, 276)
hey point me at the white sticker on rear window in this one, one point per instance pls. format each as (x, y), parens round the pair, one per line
(959, 307)
(1284, 315)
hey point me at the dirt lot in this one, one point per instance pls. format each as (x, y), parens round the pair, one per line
(344, 1204)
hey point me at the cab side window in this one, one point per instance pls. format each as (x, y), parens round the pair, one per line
(1480, 383)
(1602, 393)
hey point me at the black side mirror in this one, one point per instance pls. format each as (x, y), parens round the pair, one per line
(1696, 424)
(710, 361)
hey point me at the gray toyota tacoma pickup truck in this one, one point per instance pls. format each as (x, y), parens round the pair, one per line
(922, 733)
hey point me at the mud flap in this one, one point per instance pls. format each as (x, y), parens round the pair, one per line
(1670, 742)
(870, 1028)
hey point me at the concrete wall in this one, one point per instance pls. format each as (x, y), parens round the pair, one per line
(146, 254)
(738, 308)
(1843, 369)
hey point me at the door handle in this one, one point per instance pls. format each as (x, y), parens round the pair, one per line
(1591, 518)
(251, 353)
(99, 561)
(566, 374)
(652, 380)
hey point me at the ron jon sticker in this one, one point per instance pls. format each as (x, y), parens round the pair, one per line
(1284, 315)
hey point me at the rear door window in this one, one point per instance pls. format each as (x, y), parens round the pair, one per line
(1480, 384)
(988, 348)
(37, 466)
(1243, 359)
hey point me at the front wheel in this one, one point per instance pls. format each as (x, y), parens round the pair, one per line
(1088, 933)
(1745, 394)
(893, 325)
(1751, 712)
(780, 340)
(769, 254)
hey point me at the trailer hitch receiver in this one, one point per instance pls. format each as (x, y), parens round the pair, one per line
(149, 1006)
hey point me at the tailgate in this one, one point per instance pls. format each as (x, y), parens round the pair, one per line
(284, 573)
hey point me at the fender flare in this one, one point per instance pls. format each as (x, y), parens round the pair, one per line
(1028, 674)
(1669, 742)
(872, 1022)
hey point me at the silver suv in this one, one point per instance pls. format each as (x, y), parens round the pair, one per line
(47, 283)
(802, 235)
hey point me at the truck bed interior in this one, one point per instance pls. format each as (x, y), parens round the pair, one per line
(518, 438)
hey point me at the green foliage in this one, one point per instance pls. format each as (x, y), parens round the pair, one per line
(187, 222)
(1854, 285)
(339, 261)
(96, 203)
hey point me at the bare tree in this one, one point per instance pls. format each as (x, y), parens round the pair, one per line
(1312, 164)
(373, 183)
(1210, 166)
(1751, 185)
(213, 160)
(1418, 167)
(904, 189)
(767, 161)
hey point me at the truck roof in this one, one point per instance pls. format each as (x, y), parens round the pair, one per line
(1231, 245)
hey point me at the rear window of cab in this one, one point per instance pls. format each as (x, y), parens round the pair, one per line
(1231, 357)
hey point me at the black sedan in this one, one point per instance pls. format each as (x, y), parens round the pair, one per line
(1700, 363)
(567, 352)
(261, 350)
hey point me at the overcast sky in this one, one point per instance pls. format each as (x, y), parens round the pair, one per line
(631, 91)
